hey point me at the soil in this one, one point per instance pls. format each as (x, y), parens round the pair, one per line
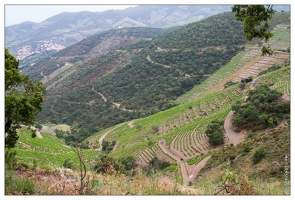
(130, 124)
(104, 135)
(231, 136)
(189, 173)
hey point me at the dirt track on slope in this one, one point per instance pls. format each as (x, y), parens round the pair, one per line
(115, 104)
(231, 136)
(104, 135)
(189, 173)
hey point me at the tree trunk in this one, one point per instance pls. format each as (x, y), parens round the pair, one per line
(7, 125)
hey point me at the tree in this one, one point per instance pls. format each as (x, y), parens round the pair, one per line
(255, 18)
(23, 98)
(214, 132)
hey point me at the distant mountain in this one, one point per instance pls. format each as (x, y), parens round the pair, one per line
(29, 40)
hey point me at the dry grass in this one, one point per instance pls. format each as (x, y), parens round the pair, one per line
(66, 182)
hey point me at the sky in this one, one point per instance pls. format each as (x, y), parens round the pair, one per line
(16, 11)
(38, 13)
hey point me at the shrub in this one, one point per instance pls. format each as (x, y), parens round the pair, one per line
(128, 162)
(10, 160)
(139, 126)
(19, 186)
(247, 149)
(155, 128)
(38, 126)
(108, 146)
(229, 83)
(214, 132)
(242, 85)
(258, 155)
(156, 163)
(68, 164)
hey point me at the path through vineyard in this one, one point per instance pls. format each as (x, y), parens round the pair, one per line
(190, 172)
(104, 135)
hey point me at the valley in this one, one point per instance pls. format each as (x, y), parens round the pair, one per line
(149, 98)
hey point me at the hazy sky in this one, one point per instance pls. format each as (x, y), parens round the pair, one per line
(16, 11)
(15, 14)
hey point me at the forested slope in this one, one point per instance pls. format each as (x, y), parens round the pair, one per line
(142, 78)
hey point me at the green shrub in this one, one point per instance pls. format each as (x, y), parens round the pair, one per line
(19, 186)
(10, 160)
(155, 128)
(258, 155)
(128, 162)
(156, 163)
(38, 126)
(214, 132)
(242, 85)
(68, 164)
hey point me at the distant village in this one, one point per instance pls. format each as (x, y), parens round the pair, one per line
(43, 45)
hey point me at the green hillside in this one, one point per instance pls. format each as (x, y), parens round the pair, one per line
(147, 113)
(138, 79)
(183, 129)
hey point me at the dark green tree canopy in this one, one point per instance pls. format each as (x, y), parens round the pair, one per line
(262, 109)
(255, 18)
(23, 98)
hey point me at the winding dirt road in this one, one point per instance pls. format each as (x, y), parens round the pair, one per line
(104, 135)
(114, 103)
(231, 136)
(190, 172)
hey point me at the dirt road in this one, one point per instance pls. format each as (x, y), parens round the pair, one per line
(189, 173)
(104, 135)
(231, 136)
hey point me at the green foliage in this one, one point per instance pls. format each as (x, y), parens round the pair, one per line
(68, 164)
(247, 149)
(258, 155)
(19, 186)
(229, 178)
(38, 126)
(23, 99)
(214, 132)
(270, 69)
(158, 164)
(128, 162)
(142, 85)
(198, 159)
(155, 128)
(108, 146)
(256, 22)
(229, 83)
(262, 104)
(106, 165)
(10, 160)
(242, 85)
(221, 29)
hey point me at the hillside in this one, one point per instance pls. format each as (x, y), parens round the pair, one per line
(147, 77)
(93, 46)
(182, 129)
(231, 130)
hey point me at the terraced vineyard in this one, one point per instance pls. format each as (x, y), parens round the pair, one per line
(244, 64)
(48, 151)
(263, 64)
(279, 80)
(182, 127)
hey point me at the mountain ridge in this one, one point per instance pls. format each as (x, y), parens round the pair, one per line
(67, 28)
